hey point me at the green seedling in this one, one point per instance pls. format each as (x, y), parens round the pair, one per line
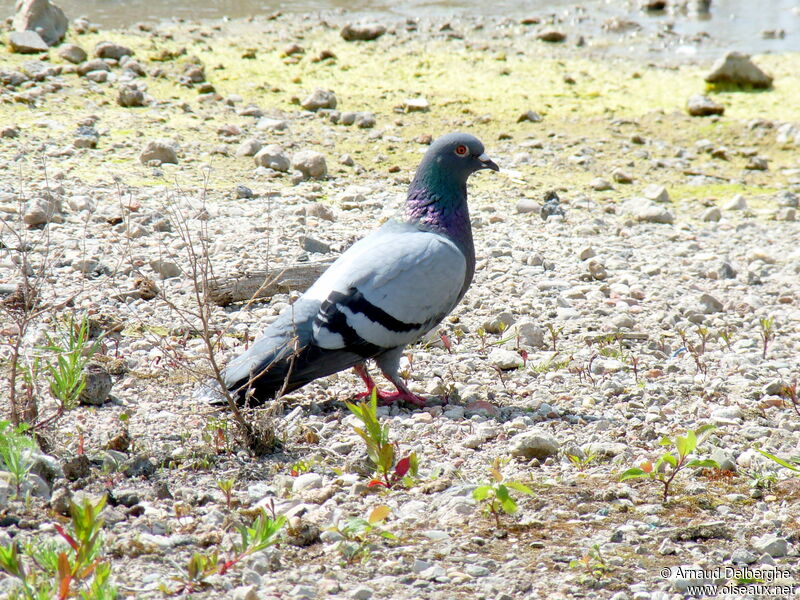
(359, 534)
(581, 462)
(767, 334)
(555, 333)
(726, 335)
(261, 534)
(72, 350)
(669, 464)
(15, 449)
(62, 571)
(226, 487)
(379, 449)
(496, 496)
(592, 562)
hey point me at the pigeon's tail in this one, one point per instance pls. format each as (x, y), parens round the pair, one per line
(289, 369)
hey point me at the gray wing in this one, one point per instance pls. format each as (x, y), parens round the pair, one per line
(388, 289)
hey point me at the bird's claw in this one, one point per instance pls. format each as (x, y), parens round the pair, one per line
(387, 398)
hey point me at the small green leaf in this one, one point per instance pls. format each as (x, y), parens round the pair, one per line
(706, 463)
(669, 459)
(520, 487)
(633, 474)
(780, 461)
(481, 493)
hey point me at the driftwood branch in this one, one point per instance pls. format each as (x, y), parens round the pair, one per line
(242, 287)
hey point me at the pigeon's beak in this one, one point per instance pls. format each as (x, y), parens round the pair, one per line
(487, 163)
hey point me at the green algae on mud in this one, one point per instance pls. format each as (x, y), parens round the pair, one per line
(480, 85)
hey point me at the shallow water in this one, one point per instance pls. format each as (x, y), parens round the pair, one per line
(731, 23)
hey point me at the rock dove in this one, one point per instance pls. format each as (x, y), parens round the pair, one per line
(384, 292)
(551, 206)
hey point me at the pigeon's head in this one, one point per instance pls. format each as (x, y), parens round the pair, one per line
(458, 155)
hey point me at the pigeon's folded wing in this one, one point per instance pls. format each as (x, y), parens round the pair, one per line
(388, 289)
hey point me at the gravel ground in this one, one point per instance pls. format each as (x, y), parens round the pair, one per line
(637, 313)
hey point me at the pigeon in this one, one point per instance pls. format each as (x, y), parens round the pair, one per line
(385, 292)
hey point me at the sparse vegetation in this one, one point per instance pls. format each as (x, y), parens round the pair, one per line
(497, 496)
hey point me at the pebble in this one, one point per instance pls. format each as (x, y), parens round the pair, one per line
(364, 32)
(272, 157)
(72, 53)
(505, 359)
(26, 42)
(712, 214)
(130, 96)
(310, 164)
(98, 385)
(700, 105)
(111, 50)
(648, 211)
(771, 544)
(159, 151)
(318, 99)
(656, 193)
(41, 211)
(535, 443)
(307, 481)
(738, 202)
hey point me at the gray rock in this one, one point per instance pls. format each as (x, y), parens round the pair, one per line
(72, 53)
(165, 268)
(531, 334)
(319, 98)
(700, 105)
(527, 205)
(46, 19)
(710, 304)
(742, 556)
(97, 76)
(321, 211)
(598, 184)
(531, 115)
(86, 137)
(60, 501)
(159, 151)
(656, 193)
(311, 244)
(363, 32)
(737, 68)
(738, 202)
(98, 385)
(712, 214)
(621, 176)
(551, 35)
(139, 466)
(365, 120)
(648, 211)
(586, 252)
(273, 157)
(789, 200)
(26, 42)
(269, 124)
(307, 481)
(129, 96)
(111, 50)
(47, 467)
(726, 271)
(77, 467)
(41, 211)
(724, 459)
(771, 544)
(499, 323)
(310, 163)
(249, 147)
(416, 105)
(90, 66)
(505, 359)
(535, 443)
(757, 163)
(362, 592)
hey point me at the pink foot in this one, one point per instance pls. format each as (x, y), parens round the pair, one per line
(387, 398)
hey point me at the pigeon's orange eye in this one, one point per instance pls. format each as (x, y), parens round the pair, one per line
(462, 150)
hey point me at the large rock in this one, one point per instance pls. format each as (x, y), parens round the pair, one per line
(362, 31)
(319, 99)
(111, 50)
(160, 151)
(535, 443)
(26, 42)
(737, 68)
(310, 163)
(703, 106)
(648, 211)
(130, 95)
(273, 157)
(72, 53)
(41, 211)
(42, 17)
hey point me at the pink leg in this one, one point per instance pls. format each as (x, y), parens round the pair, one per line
(403, 394)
